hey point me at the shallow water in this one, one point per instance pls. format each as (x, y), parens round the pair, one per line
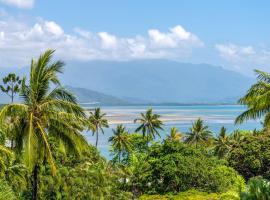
(181, 117)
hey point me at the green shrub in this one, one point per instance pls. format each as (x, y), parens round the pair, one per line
(174, 167)
(223, 178)
(193, 195)
(196, 195)
(251, 156)
(154, 197)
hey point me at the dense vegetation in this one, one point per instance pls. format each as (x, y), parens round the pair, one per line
(43, 154)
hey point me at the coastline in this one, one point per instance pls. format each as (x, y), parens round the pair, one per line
(172, 114)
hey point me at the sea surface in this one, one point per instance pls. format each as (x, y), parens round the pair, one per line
(215, 116)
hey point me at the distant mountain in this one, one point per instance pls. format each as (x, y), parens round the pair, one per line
(159, 81)
(150, 81)
(87, 96)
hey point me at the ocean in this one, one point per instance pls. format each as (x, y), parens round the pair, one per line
(181, 117)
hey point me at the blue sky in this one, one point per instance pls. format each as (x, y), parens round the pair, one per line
(233, 34)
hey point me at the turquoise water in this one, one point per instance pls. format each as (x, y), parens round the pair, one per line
(181, 117)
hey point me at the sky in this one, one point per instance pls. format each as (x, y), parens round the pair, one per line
(232, 34)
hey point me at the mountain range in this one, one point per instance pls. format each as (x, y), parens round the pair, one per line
(149, 81)
(86, 96)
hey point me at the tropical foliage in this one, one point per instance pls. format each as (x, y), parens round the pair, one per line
(44, 112)
(44, 155)
(6, 191)
(257, 100)
(257, 189)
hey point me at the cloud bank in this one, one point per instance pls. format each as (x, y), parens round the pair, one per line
(19, 42)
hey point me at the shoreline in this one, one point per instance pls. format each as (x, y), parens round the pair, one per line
(126, 115)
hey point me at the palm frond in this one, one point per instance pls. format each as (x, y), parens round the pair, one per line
(48, 149)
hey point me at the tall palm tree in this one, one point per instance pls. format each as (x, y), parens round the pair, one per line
(97, 122)
(257, 100)
(222, 143)
(199, 133)
(121, 141)
(174, 135)
(150, 123)
(45, 113)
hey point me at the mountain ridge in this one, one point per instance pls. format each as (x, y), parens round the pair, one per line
(152, 81)
(160, 81)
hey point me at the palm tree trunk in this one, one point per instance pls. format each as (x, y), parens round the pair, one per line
(12, 97)
(12, 93)
(148, 138)
(97, 138)
(35, 182)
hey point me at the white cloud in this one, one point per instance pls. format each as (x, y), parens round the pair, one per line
(244, 58)
(53, 28)
(176, 38)
(19, 42)
(181, 33)
(108, 41)
(160, 40)
(19, 3)
(234, 52)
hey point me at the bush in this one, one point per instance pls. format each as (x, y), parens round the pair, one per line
(224, 178)
(193, 195)
(196, 195)
(154, 197)
(251, 157)
(175, 167)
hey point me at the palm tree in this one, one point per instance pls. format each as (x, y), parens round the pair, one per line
(198, 133)
(150, 123)
(45, 113)
(5, 152)
(236, 138)
(6, 156)
(97, 122)
(257, 100)
(6, 191)
(121, 141)
(174, 135)
(222, 143)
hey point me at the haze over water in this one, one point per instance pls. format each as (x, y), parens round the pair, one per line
(181, 117)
